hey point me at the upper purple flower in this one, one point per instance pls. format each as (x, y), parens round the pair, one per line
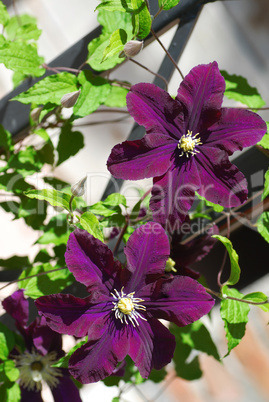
(120, 316)
(187, 144)
(43, 348)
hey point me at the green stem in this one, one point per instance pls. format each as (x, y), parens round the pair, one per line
(221, 297)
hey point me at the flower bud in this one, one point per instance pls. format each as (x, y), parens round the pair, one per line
(35, 113)
(169, 266)
(69, 100)
(133, 47)
(79, 188)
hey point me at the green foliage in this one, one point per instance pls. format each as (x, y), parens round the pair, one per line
(22, 28)
(94, 92)
(70, 142)
(266, 186)
(5, 139)
(15, 262)
(117, 97)
(53, 197)
(191, 337)
(263, 225)
(21, 57)
(7, 341)
(167, 4)
(10, 391)
(11, 372)
(46, 284)
(116, 44)
(235, 317)
(63, 361)
(235, 269)
(265, 140)
(141, 19)
(256, 297)
(56, 231)
(238, 88)
(216, 207)
(49, 90)
(90, 223)
(4, 16)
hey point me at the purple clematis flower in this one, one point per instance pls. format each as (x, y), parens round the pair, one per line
(43, 348)
(120, 316)
(187, 144)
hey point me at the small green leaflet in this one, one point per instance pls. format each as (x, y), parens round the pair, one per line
(266, 185)
(238, 88)
(216, 207)
(235, 317)
(21, 57)
(90, 223)
(11, 371)
(116, 44)
(256, 297)
(70, 143)
(115, 5)
(235, 269)
(49, 90)
(53, 197)
(63, 361)
(94, 92)
(117, 97)
(142, 19)
(16, 26)
(4, 16)
(5, 139)
(7, 341)
(14, 262)
(167, 4)
(10, 391)
(263, 225)
(56, 231)
(265, 139)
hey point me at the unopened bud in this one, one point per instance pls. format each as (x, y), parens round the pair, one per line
(69, 100)
(79, 188)
(133, 47)
(35, 113)
(169, 266)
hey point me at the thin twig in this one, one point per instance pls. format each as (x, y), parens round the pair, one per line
(152, 72)
(224, 297)
(121, 235)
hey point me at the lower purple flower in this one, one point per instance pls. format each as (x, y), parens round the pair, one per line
(43, 348)
(120, 315)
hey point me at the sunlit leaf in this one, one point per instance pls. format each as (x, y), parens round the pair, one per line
(235, 269)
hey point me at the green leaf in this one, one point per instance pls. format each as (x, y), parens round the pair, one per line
(142, 19)
(13, 182)
(11, 371)
(90, 223)
(266, 186)
(167, 4)
(10, 392)
(63, 361)
(50, 283)
(116, 5)
(235, 269)
(53, 197)
(256, 297)
(235, 317)
(116, 220)
(216, 207)
(5, 139)
(265, 139)
(94, 92)
(263, 225)
(70, 142)
(7, 341)
(115, 199)
(25, 162)
(49, 90)
(4, 16)
(28, 32)
(238, 88)
(56, 231)
(116, 44)
(117, 97)
(157, 376)
(16, 25)
(21, 57)
(15, 262)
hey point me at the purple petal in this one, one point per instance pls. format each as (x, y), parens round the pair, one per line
(222, 182)
(200, 93)
(44, 339)
(153, 108)
(97, 359)
(147, 251)
(17, 306)
(173, 194)
(235, 129)
(181, 300)
(90, 261)
(33, 396)
(152, 346)
(140, 159)
(69, 315)
(66, 391)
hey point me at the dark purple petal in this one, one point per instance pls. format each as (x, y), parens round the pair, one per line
(235, 129)
(181, 300)
(33, 396)
(140, 159)
(147, 251)
(152, 346)
(90, 261)
(97, 359)
(153, 108)
(65, 391)
(44, 339)
(222, 182)
(69, 315)
(17, 306)
(173, 194)
(200, 93)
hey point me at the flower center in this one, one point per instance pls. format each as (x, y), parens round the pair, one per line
(34, 368)
(126, 307)
(187, 144)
